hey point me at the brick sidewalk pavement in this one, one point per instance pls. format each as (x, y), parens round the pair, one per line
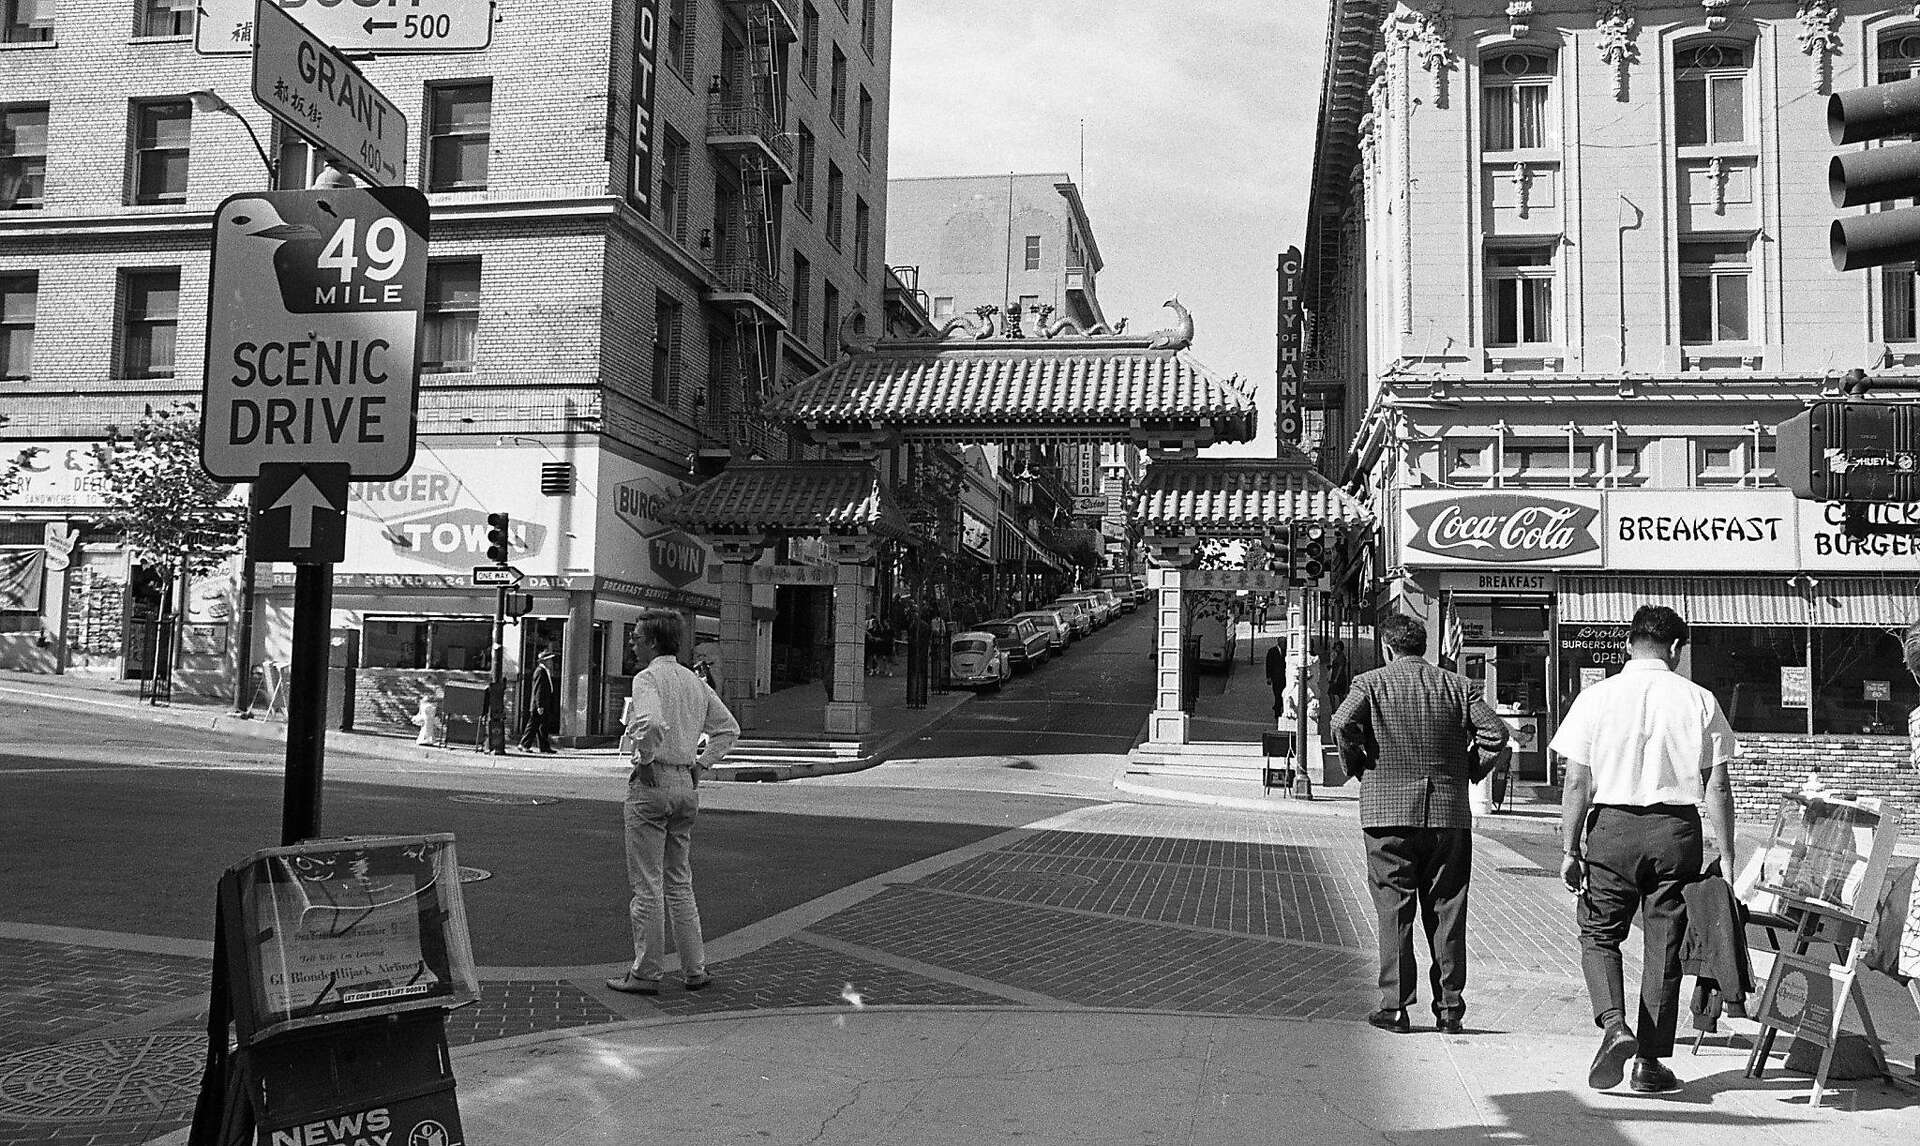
(1185, 909)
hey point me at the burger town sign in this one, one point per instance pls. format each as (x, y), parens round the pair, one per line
(1501, 528)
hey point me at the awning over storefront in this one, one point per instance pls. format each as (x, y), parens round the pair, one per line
(1242, 496)
(1777, 600)
(793, 498)
(1080, 389)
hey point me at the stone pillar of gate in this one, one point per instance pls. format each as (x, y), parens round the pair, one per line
(1168, 557)
(848, 713)
(737, 555)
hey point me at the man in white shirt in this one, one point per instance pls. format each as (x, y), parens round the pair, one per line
(1638, 745)
(672, 708)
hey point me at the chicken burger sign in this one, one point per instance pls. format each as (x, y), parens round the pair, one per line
(1450, 528)
(313, 321)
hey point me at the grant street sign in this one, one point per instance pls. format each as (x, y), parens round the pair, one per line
(225, 27)
(313, 323)
(313, 89)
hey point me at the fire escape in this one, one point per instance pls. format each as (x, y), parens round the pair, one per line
(746, 117)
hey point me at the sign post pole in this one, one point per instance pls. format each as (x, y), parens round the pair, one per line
(306, 703)
(497, 713)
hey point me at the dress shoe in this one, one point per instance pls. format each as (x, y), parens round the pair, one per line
(1651, 1076)
(1610, 1063)
(1395, 1021)
(632, 984)
(1449, 1024)
(699, 982)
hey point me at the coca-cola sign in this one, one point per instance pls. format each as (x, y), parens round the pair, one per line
(1504, 528)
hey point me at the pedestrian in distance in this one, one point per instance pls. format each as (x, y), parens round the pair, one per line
(672, 709)
(1415, 736)
(543, 698)
(1644, 749)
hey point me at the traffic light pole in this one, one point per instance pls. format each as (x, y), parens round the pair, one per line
(497, 711)
(307, 703)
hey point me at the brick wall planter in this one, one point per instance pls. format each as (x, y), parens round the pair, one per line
(1772, 764)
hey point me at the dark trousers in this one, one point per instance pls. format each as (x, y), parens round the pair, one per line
(533, 730)
(1427, 869)
(1638, 860)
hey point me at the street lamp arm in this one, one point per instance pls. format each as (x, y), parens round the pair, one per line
(205, 99)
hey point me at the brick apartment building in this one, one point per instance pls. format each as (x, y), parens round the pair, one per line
(634, 239)
(1569, 268)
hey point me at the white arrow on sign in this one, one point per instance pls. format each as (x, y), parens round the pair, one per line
(300, 500)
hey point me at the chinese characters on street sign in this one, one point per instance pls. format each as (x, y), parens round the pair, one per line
(312, 88)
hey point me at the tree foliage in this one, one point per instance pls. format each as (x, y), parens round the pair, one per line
(160, 500)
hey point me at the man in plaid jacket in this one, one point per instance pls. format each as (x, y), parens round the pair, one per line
(1415, 736)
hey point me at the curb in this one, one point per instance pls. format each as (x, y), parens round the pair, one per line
(773, 773)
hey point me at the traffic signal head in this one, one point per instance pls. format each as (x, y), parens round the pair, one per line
(498, 547)
(1851, 451)
(1309, 552)
(519, 604)
(1855, 178)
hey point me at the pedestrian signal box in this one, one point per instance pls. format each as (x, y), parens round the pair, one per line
(1851, 451)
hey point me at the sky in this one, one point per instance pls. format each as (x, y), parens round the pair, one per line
(1199, 141)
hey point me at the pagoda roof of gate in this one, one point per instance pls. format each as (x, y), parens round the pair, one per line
(1242, 496)
(1105, 388)
(808, 498)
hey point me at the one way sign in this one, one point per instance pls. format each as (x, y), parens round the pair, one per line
(298, 514)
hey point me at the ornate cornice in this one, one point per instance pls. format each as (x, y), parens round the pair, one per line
(1424, 32)
(1819, 37)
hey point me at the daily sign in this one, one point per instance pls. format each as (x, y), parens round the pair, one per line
(313, 89)
(313, 321)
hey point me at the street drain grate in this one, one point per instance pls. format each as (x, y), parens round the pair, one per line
(473, 874)
(101, 1079)
(1537, 873)
(499, 798)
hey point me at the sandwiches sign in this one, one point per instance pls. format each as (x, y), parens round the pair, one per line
(1504, 528)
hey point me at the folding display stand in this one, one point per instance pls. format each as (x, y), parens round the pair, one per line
(1809, 996)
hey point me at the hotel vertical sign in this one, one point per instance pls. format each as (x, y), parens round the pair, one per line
(1287, 420)
(646, 36)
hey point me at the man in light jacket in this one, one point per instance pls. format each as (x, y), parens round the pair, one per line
(672, 709)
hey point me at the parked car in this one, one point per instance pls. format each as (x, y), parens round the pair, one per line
(1104, 607)
(975, 660)
(1027, 646)
(1052, 622)
(1079, 615)
(1115, 604)
(1123, 586)
(1095, 607)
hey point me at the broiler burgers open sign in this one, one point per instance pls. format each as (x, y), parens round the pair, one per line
(313, 323)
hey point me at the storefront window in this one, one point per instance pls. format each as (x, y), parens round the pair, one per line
(443, 643)
(1861, 683)
(1741, 666)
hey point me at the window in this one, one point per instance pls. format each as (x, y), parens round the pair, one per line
(830, 321)
(666, 347)
(166, 17)
(803, 173)
(149, 315)
(19, 300)
(1713, 292)
(866, 125)
(942, 307)
(452, 321)
(1468, 463)
(161, 132)
(677, 46)
(670, 201)
(1710, 95)
(810, 46)
(1514, 90)
(836, 189)
(719, 398)
(837, 94)
(802, 294)
(26, 21)
(1033, 253)
(23, 156)
(1626, 466)
(296, 163)
(456, 644)
(867, 18)
(1550, 463)
(862, 235)
(1899, 56)
(1520, 295)
(1897, 310)
(1719, 462)
(459, 129)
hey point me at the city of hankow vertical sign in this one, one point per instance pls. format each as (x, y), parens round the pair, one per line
(313, 328)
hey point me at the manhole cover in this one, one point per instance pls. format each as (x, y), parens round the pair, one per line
(499, 798)
(1044, 880)
(1537, 873)
(137, 1076)
(473, 874)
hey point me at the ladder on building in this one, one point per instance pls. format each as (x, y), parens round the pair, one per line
(763, 214)
(763, 65)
